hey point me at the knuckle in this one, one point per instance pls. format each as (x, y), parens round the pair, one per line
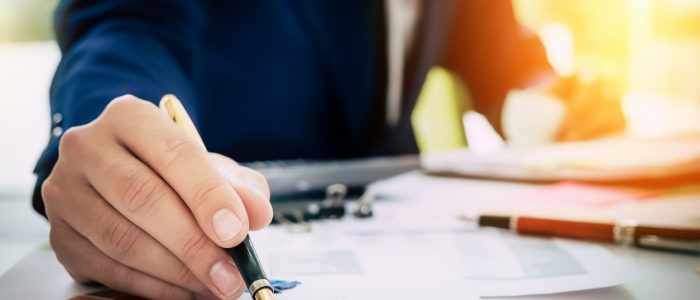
(126, 105)
(126, 98)
(205, 192)
(56, 190)
(140, 192)
(125, 240)
(123, 277)
(183, 275)
(72, 140)
(257, 176)
(178, 149)
(123, 103)
(168, 291)
(49, 189)
(194, 246)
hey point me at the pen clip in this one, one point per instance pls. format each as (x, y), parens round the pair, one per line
(662, 243)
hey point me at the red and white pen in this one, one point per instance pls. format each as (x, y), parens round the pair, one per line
(627, 232)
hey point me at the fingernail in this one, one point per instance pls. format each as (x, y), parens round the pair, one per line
(226, 224)
(224, 276)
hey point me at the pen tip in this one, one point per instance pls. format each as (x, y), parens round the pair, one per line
(264, 294)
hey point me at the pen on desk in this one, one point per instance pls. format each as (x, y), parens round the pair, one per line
(243, 254)
(686, 240)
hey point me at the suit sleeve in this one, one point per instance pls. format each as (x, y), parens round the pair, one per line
(109, 48)
(492, 54)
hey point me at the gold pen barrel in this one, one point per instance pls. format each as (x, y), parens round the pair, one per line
(264, 294)
(177, 113)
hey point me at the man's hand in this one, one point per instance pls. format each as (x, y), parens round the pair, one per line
(136, 204)
(593, 108)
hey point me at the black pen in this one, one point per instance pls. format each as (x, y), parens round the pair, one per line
(243, 254)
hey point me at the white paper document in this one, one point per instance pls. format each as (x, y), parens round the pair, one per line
(343, 260)
(399, 263)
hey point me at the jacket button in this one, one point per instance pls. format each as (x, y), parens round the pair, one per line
(57, 131)
(57, 118)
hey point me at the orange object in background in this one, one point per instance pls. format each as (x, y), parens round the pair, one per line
(678, 239)
(567, 229)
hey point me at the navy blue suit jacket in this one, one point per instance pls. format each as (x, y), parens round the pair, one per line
(271, 79)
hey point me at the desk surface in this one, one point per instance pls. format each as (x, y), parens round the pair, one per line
(659, 275)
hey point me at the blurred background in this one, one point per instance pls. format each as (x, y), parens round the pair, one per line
(28, 57)
(650, 49)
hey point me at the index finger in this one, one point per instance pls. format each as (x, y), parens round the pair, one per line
(182, 162)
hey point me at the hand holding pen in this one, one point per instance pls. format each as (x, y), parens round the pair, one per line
(139, 205)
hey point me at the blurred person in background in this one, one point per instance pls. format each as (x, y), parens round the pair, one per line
(138, 206)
